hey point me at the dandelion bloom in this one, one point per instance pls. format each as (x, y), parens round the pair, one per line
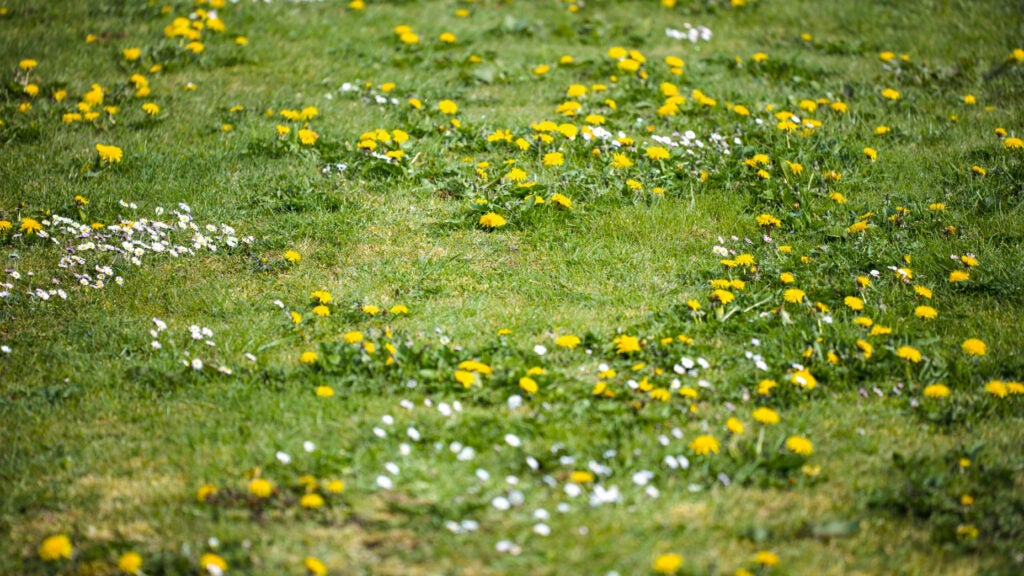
(581, 477)
(799, 445)
(30, 226)
(854, 303)
(109, 154)
(292, 256)
(625, 344)
(959, 276)
(768, 221)
(321, 310)
(787, 278)
(926, 312)
(131, 54)
(529, 385)
(314, 566)
(205, 491)
(210, 559)
(308, 137)
(55, 548)
(997, 388)
(734, 425)
(765, 558)
(464, 377)
(804, 379)
(974, 347)
(936, 391)
(766, 416)
(554, 159)
(311, 501)
(309, 357)
(871, 154)
(890, 94)
(492, 220)
(324, 391)
(722, 296)
(516, 175)
(704, 445)
(353, 337)
(667, 563)
(195, 47)
(794, 295)
(561, 200)
(764, 387)
(150, 108)
(857, 227)
(447, 38)
(27, 64)
(448, 107)
(657, 153)
(569, 341)
(1013, 143)
(923, 292)
(909, 353)
(129, 563)
(621, 161)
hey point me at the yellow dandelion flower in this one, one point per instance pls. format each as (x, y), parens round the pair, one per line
(804, 379)
(764, 387)
(657, 153)
(926, 312)
(794, 295)
(625, 344)
(57, 547)
(492, 220)
(974, 347)
(109, 154)
(890, 94)
(621, 161)
(704, 445)
(959, 276)
(260, 488)
(313, 565)
(667, 563)
(30, 226)
(997, 388)
(766, 416)
(799, 445)
(210, 559)
(767, 559)
(936, 391)
(909, 353)
(554, 159)
(854, 303)
(569, 341)
(311, 501)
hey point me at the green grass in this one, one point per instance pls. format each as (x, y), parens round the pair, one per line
(107, 439)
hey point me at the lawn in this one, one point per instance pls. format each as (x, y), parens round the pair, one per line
(492, 287)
